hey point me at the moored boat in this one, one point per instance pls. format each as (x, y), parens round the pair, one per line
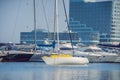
(64, 59)
(59, 58)
(96, 54)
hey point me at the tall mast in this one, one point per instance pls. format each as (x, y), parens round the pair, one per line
(34, 24)
(57, 25)
(68, 26)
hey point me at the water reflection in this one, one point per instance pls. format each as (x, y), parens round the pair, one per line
(70, 74)
(41, 71)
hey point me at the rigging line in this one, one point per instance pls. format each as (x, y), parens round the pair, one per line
(13, 34)
(35, 36)
(54, 24)
(68, 25)
(55, 20)
(44, 11)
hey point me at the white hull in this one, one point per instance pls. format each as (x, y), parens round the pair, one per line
(117, 59)
(104, 59)
(65, 61)
(101, 57)
(96, 54)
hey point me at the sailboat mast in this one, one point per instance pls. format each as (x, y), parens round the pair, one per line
(68, 26)
(34, 24)
(57, 25)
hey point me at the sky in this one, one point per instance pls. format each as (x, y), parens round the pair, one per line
(17, 16)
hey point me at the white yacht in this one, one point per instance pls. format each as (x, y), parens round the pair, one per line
(65, 56)
(103, 56)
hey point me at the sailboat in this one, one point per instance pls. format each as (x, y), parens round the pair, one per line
(58, 58)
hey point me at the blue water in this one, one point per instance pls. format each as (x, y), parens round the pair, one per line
(41, 71)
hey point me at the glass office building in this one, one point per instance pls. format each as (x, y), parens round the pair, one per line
(28, 37)
(86, 34)
(102, 17)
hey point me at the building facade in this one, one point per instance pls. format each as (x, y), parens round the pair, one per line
(28, 37)
(102, 17)
(87, 35)
(115, 22)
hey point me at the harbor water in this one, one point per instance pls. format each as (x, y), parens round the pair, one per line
(41, 71)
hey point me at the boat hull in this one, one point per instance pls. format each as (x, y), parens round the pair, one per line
(105, 59)
(65, 61)
(37, 57)
(20, 56)
(100, 57)
(17, 58)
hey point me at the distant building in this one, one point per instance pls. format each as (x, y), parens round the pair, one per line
(102, 17)
(28, 37)
(87, 35)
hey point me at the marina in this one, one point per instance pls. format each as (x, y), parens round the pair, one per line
(23, 53)
(41, 71)
(60, 40)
